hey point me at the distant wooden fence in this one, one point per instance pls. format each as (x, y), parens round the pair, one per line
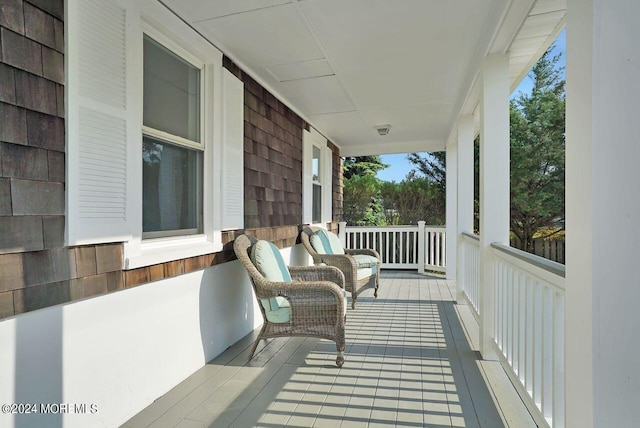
(550, 249)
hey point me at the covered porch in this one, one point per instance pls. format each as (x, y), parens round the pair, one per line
(98, 312)
(411, 360)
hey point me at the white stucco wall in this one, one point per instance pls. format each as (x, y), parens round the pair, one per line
(123, 350)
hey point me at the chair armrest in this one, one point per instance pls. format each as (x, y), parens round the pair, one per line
(344, 262)
(317, 273)
(310, 296)
(367, 251)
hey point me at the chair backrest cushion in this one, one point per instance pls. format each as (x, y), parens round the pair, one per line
(326, 242)
(267, 259)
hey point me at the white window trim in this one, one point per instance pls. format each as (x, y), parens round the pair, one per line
(309, 140)
(164, 27)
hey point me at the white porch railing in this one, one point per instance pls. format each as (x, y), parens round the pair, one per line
(528, 322)
(471, 272)
(529, 329)
(528, 304)
(401, 247)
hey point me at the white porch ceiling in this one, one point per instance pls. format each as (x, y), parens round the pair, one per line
(349, 65)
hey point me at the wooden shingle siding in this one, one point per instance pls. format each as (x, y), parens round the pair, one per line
(12, 16)
(272, 157)
(14, 124)
(36, 270)
(7, 84)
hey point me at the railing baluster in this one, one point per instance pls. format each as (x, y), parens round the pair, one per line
(558, 362)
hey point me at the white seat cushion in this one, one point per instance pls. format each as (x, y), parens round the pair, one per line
(365, 260)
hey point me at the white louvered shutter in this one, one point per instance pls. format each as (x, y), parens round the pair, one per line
(327, 180)
(307, 177)
(98, 118)
(233, 152)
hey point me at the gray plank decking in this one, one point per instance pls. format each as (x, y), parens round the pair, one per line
(409, 361)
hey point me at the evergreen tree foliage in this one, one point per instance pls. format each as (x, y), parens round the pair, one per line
(361, 191)
(362, 166)
(538, 154)
(412, 200)
(432, 166)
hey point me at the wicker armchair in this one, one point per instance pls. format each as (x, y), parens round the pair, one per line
(315, 300)
(356, 277)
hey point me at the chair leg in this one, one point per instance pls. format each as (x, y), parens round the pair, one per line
(340, 349)
(255, 344)
(375, 291)
(254, 347)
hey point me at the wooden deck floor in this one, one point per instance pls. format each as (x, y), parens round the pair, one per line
(409, 361)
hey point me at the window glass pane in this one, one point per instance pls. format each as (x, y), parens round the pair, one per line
(171, 187)
(171, 92)
(317, 203)
(316, 163)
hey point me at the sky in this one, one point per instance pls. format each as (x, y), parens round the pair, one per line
(400, 167)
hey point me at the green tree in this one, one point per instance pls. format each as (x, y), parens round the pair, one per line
(538, 153)
(361, 191)
(412, 200)
(432, 166)
(362, 166)
(421, 195)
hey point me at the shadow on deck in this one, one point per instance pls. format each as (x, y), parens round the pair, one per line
(408, 362)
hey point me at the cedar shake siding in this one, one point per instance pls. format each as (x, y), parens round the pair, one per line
(36, 269)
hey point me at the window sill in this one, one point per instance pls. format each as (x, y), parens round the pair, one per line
(155, 251)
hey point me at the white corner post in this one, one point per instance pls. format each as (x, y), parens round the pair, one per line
(422, 251)
(452, 208)
(342, 233)
(602, 377)
(464, 195)
(494, 185)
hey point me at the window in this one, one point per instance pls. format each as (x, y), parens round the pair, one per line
(317, 173)
(171, 146)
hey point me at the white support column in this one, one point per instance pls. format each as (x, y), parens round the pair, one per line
(464, 195)
(452, 208)
(494, 185)
(602, 214)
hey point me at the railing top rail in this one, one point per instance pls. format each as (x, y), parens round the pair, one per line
(384, 227)
(471, 235)
(401, 226)
(540, 262)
